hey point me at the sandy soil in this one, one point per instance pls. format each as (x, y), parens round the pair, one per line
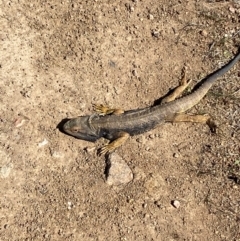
(58, 58)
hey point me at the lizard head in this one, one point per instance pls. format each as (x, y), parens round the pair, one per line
(79, 127)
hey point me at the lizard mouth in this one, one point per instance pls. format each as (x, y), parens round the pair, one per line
(66, 127)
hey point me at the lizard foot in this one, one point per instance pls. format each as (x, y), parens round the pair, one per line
(107, 149)
(105, 110)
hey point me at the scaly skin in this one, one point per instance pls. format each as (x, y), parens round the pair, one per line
(134, 122)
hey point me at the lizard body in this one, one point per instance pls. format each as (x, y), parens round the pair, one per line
(117, 127)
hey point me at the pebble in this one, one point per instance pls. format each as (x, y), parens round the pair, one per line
(118, 172)
(158, 204)
(20, 121)
(69, 205)
(204, 33)
(90, 149)
(176, 203)
(155, 33)
(175, 155)
(134, 72)
(144, 205)
(43, 143)
(151, 136)
(139, 140)
(57, 154)
(6, 170)
(150, 16)
(232, 9)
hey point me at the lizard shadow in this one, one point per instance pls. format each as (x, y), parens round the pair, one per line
(159, 100)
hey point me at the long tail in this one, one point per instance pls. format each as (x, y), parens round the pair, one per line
(187, 102)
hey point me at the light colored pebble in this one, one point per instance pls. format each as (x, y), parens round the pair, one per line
(175, 155)
(232, 9)
(155, 33)
(134, 72)
(204, 33)
(6, 170)
(118, 172)
(176, 203)
(90, 149)
(151, 136)
(20, 121)
(43, 143)
(69, 205)
(57, 154)
(150, 16)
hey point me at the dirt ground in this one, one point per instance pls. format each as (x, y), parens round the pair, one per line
(58, 58)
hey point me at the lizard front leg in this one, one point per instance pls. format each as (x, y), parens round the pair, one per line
(121, 137)
(105, 110)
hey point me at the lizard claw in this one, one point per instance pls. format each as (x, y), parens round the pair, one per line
(105, 110)
(101, 109)
(105, 150)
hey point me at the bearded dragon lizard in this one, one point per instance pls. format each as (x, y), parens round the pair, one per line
(117, 125)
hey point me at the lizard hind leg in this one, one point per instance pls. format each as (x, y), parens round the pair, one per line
(184, 83)
(105, 110)
(121, 137)
(205, 119)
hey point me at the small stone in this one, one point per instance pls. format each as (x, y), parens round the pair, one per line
(57, 154)
(20, 121)
(139, 140)
(175, 155)
(146, 216)
(129, 199)
(150, 16)
(144, 205)
(204, 33)
(129, 38)
(134, 72)
(90, 149)
(69, 205)
(118, 172)
(6, 170)
(158, 204)
(151, 136)
(43, 143)
(155, 33)
(232, 9)
(176, 203)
